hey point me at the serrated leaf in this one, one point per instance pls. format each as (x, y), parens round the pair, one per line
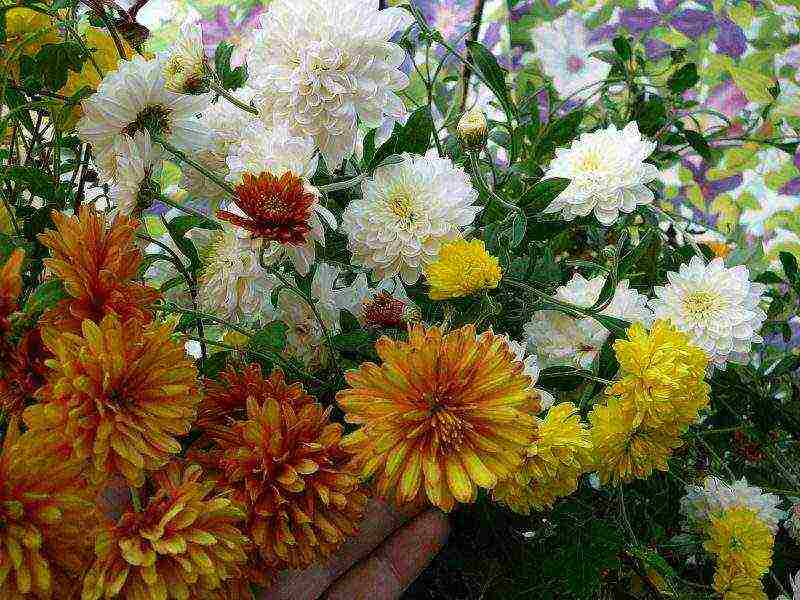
(789, 263)
(413, 137)
(537, 198)
(231, 79)
(272, 337)
(492, 72)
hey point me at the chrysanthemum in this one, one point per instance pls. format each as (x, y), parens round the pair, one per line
(22, 374)
(462, 269)
(553, 464)
(716, 496)
(120, 394)
(232, 283)
(406, 212)
(740, 540)
(732, 585)
(625, 448)
(10, 286)
(718, 308)
(383, 305)
(185, 65)
(46, 511)
(138, 163)
(607, 174)
(561, 339)
(322, 71)
(275, 151)
(97, 261)
(183, 543)
(444, 415)
(283, 462)
(134, 98)
(662, 374)
(227, 398)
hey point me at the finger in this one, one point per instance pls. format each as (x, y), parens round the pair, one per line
(379, 522)
(394, 565)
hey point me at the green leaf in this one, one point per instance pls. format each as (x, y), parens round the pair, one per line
(413, 137)
(231, 79)
(351, 342)
(561, 132)
(272, 337)
(789, 263)
(56, 60)
(651, 116)
(622, 47)
(768, 277)
(492, 72)
(684, 78)
(785, 366)
(699, 144)
(518, 227)
(537, 198)
(612, 323)
(214, 364)
(46, 296)
(179, 227)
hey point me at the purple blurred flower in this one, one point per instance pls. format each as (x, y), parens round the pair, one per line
(453, 18)
(730, 38)
(792, 187)
(727, 99)
(639, 20)
(693, 22)
(797, 158)
(222, 27)
(665, 6)
(656, 49)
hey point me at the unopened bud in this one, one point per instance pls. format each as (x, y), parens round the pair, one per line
(473, 130)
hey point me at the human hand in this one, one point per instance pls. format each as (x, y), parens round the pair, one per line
(389, 553)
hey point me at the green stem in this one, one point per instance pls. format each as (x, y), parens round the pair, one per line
(189, 211)
(342, 185)
(137, 503)
(230, 97)
(179, 154)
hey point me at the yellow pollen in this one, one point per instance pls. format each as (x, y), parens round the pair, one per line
(449, 428)
(591, 161)
(700, 303)
(400, 204)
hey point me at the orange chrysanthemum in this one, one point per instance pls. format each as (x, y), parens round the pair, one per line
(24, 374)
(121, 394)
(97, 261)
(10, 289)
(283, 461)
(46, 512)
(444, 415)
(276, 208)
(226, 399)
(183, 544)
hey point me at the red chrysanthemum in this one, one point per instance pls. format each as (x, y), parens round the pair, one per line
(275, 208)
(384, 310)
(97, 262)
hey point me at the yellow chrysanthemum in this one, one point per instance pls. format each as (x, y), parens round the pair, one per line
(554, 463)
(122, 393)
(625, 448)
(442, 416)
(741, 541)
(26, 32)
(662, 374)
(46, 516)
(734, 586)
(462, 269)
(184, 544)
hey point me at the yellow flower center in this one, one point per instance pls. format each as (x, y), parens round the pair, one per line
(401, 205)
(591, 161)
(153, 118)
(449, 428)
(699, 304)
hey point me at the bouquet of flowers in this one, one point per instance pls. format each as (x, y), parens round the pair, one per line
(237, 301)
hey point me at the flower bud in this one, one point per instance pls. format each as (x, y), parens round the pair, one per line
(473, 130)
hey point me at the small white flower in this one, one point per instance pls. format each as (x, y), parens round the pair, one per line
(407, 210)
(559, 339)
(607, 174)
(138, 162)
(531, 368)
(185, 65)
(320, 68)
(716, 496)
(134, 98)
(232, 283)
(716, 306)
(275, 151)
(224, 123)
(564, 50)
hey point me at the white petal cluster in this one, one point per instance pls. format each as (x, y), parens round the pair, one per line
(792, 522)
(718, 307)
(531, 368)
(138, 161)
(322, 67)
(716, 496)
(263, 150)
(224, 123)
(134, 98)
(184, 68)
(232, 284)
(607, 174)
(559, 339)
(407, 210)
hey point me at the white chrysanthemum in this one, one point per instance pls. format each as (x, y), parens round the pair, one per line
(320, 68)
(531, 368)
(185, 65)
(137, 164)
(716, 306)
(792, 522)
(607, 174)
(275, 151)
(134, 98)
(564, 50)
(716, 496)
(407, 210)
(232, 283)
(559, 339)
(224, 123)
